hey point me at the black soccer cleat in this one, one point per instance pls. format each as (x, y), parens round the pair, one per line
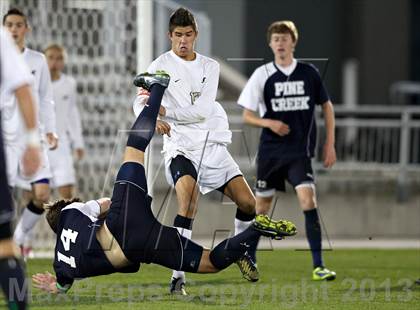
(146, 80)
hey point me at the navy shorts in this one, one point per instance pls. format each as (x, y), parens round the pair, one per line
(273, 174)
(140, 235)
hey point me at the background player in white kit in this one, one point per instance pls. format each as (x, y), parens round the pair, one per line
(16, 22)
(193, 123)
(15, 80)
(69, 127)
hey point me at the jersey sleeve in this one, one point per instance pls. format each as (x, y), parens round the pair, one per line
(253, 94)
(74, 122)
(14, 72)
(204, 105)
(321, 94)
(63, 283)
(46, 102)
(91, 208)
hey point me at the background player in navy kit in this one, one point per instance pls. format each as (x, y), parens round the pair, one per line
(14, 78)
(285, 92)
(130, 234)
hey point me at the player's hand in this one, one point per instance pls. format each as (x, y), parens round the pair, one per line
(143, 92)
(31, 160)
(80, 153)
(278, 127)
(162, 111)
(163, 128)
(329, 156)
(45, 282)
(52, 140)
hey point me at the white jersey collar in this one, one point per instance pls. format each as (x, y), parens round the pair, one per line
(197, 55)
(288, 70)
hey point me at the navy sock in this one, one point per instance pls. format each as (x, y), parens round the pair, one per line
(230, 250)
(252, 251)
(13, 283)
(34, 209)
(183, 222)
(245, 217)
(144, 126)
(313, 234)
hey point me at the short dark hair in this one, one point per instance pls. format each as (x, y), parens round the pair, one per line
(15, 11)
(182, 18)
(54, 211)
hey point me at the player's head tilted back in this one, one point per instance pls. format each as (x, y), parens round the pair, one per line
(16, 22)
(183, 33)
(54, 211)
(282, 37)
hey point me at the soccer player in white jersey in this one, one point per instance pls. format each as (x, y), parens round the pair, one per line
(15, 80)
(16, 22)
(69, 127)
(286, 92)
(197, 133)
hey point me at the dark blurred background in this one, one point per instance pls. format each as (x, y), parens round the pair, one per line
(382, 35)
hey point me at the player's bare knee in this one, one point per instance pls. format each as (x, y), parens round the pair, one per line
(41, 197)
(247, 205)
(66, 192)
(307, 203)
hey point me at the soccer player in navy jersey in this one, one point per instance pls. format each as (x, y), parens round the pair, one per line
(105, 236)
(286, 91)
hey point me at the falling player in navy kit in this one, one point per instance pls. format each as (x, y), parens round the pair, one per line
(106, 236)
(286, 92)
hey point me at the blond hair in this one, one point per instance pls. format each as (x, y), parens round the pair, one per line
(283, 26)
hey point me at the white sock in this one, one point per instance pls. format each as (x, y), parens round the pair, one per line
(187, 234)
(240, 226)
(25, 225)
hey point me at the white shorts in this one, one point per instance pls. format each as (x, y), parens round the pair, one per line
(216, 169)
(61, 164)
(24, 182)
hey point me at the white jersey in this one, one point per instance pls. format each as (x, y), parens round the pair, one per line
(14, 74)
(190, 101)
(42, 89)
(69, 127)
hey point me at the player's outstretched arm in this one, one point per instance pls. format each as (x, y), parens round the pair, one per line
(329, 155)
(276, 126)
(31, 157)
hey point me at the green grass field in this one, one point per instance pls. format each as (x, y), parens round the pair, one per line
(367, 279)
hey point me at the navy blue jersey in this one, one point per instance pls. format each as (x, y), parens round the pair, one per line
(290, 99)
(78, 254)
